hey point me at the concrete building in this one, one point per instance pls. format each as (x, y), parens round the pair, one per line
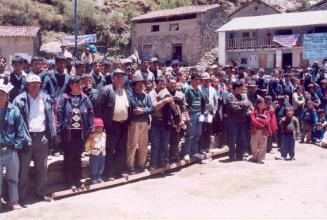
(321, 5)
(254, 8)
(23, 40)
(183, 33)
(252, 41)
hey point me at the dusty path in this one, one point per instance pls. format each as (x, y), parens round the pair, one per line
(277, 189)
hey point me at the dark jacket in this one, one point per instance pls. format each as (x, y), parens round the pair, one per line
(59, 82)
(107, 105)
(22, 102)
(93, 95)
(14, 133)
(65, 114)
(322, 94)
(142, 101)
(99, 81)
(275, 88)
(19, 85)
(238, 107)
(309, 116)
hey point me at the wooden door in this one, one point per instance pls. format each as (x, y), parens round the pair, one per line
(262, 60)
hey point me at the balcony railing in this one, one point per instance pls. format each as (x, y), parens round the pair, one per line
(254, 42)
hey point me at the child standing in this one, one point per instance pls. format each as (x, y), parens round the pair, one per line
(273, 127)
(309, 119)
(97, 148)
(290, 129)
(260, 129)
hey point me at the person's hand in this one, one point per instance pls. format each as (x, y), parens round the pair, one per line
(284, 119)
(168, 99)
(92, 136)
(138, 111)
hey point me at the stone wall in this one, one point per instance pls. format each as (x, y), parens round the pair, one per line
(256, 8)
(162, 42)
(210, 22)
(11, 45)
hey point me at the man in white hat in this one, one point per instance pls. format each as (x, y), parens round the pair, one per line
(12, 136)
(38, 113)
(211, 107)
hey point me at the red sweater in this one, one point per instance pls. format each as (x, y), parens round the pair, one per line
(273, 123)
(260, 123)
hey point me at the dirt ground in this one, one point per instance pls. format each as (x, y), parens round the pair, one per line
(277, 189)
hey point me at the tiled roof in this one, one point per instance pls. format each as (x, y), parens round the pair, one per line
(18, 31)
(186, 10)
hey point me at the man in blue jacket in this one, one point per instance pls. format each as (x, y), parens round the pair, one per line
(139, 126)
(37, 110)
(12, 137)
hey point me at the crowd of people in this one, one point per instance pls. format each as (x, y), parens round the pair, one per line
(130, 115)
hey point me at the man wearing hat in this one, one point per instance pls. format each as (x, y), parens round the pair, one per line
(116, 113)
(176, 65)
(38, 113)
(154, 67)
(144, 71)
(12, 138)
(210, 110)
(37, 69)
(16, 78)
(313, 95)
(138, 127)
(59, 76)
(87, 58)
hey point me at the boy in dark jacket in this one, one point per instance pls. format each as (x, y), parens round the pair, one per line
(290, 130)
(309, 119)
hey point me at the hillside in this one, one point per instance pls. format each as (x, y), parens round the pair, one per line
(110, 19)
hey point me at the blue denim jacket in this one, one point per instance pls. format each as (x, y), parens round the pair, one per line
(14, 133)
(65, 114)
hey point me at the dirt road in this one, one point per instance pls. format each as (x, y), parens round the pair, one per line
(277, 189)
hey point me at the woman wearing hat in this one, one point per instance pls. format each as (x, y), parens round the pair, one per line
(74, 126)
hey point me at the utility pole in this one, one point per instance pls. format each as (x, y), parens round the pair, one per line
(75, 27)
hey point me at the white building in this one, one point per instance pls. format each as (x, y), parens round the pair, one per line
(250, 41)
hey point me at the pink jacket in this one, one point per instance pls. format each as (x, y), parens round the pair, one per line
(259, 122)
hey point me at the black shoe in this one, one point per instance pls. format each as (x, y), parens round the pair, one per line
(292, 158)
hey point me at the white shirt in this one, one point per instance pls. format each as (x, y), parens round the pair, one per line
(37, 118)
(121, 107)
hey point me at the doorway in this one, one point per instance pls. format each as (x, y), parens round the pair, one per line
(287, 59)
(177, 52)
(262, 60)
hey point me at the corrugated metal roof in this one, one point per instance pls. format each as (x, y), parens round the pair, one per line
(18, 31)
(186, 10)
(276, 21)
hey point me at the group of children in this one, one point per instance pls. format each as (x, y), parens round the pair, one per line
(309, 127)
